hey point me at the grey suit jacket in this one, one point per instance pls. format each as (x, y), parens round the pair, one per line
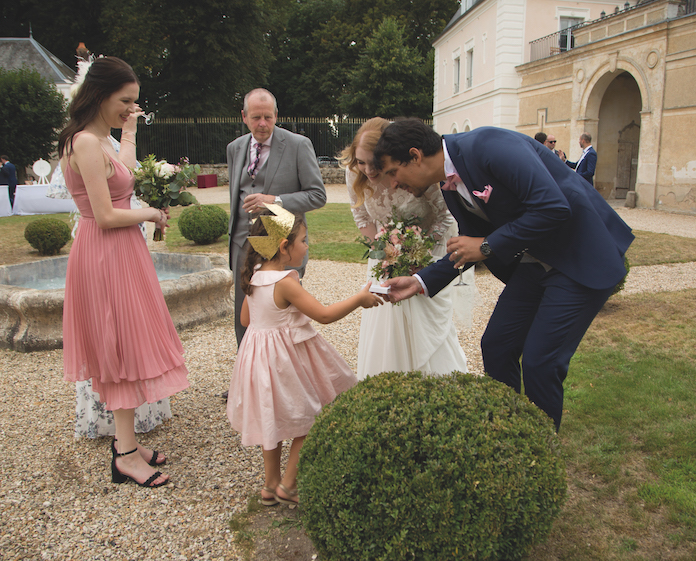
(292, 173)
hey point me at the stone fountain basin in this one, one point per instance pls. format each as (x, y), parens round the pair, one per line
(32, 319)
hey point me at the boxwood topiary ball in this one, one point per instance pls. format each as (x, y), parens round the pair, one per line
(622, 283)
(203, 224)
(405, 466)
(47, 235)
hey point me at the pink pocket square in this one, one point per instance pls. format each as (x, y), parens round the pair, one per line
(485, 194)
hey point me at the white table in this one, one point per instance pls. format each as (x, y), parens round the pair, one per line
(5, 206)
(32, 199)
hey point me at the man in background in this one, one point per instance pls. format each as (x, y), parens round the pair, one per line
(585, 166)
(8, 176)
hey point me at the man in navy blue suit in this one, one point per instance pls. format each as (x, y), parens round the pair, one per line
(8, 176)
(585, 166)
(537, 226)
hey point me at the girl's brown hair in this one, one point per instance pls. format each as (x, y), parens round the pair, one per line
(105, 76)
(368, 135)
(254, 258)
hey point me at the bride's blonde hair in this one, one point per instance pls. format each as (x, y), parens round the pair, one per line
(367, 136)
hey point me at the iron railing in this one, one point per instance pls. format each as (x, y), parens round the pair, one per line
(553, 44)
(204, 140)
(564, 40)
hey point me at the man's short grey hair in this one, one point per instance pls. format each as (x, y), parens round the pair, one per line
(586, 137)
(261, 91)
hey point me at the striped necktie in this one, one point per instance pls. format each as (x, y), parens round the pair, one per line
(253, 166)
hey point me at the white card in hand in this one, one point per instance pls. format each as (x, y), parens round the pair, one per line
(377, 289)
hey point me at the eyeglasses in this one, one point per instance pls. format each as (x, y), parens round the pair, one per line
(552, 142)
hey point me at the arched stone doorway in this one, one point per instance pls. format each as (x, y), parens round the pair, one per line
(618, 137)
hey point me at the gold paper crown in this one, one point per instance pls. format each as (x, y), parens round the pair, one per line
(278, 228)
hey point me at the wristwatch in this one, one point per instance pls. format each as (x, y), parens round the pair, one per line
(278, 201)
(485, 249)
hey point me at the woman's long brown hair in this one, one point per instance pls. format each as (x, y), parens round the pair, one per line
(105, 76)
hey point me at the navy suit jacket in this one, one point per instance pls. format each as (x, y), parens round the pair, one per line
(8, 175)
(587, 166)
(538, 205)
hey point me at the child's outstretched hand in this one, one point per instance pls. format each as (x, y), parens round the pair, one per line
(369, 299)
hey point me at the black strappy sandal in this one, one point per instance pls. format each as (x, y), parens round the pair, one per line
(153, 459)
(118, 477)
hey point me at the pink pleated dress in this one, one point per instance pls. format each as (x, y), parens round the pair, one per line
(116, 326)
(285, 371)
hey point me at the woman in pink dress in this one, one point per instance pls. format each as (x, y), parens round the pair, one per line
(285, 371)
(117, 330)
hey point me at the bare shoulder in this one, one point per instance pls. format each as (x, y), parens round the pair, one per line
(85, 142)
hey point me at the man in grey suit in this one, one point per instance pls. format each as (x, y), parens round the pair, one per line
(268, 165)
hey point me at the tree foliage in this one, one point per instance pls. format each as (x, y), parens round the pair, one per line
(390, 78)
(31, 114)
(324, 40)
(199, 58)
(194, 59)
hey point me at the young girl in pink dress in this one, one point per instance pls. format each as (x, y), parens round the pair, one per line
(117, 330)
(285, 371)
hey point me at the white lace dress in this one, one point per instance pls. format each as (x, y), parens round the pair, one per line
(418, 333)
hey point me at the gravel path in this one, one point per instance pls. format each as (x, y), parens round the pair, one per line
(56, 499)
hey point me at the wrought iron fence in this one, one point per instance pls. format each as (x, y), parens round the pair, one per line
(204, 140)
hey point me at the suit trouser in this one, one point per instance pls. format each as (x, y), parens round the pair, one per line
(237, 259)
(542, 317)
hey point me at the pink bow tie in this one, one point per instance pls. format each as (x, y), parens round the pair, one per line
(451, 183)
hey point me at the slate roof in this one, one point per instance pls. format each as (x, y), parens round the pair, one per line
(16, 52)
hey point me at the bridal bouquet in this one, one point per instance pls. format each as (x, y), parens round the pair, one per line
(401, 247)
(161, 184)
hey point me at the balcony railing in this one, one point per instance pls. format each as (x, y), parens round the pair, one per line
(564, 40)
(554, 44)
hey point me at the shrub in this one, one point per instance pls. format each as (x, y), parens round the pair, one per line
(203, 224)
(47, 235)
(619, 287)
(405, 466)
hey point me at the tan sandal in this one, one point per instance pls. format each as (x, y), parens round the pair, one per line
(291, 494)
(269, 501)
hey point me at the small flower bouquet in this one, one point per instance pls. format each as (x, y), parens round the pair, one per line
(161, 184)
(401, 247)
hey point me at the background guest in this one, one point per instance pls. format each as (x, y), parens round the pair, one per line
(8, 176)
(585, 166)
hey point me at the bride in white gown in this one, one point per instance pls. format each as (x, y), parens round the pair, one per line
(418, 333)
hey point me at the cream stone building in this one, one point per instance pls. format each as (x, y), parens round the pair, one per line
(626, 75)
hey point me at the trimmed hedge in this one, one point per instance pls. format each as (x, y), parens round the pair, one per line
(47, 235)
(622, 283)
(406, 466)
(203, 224)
